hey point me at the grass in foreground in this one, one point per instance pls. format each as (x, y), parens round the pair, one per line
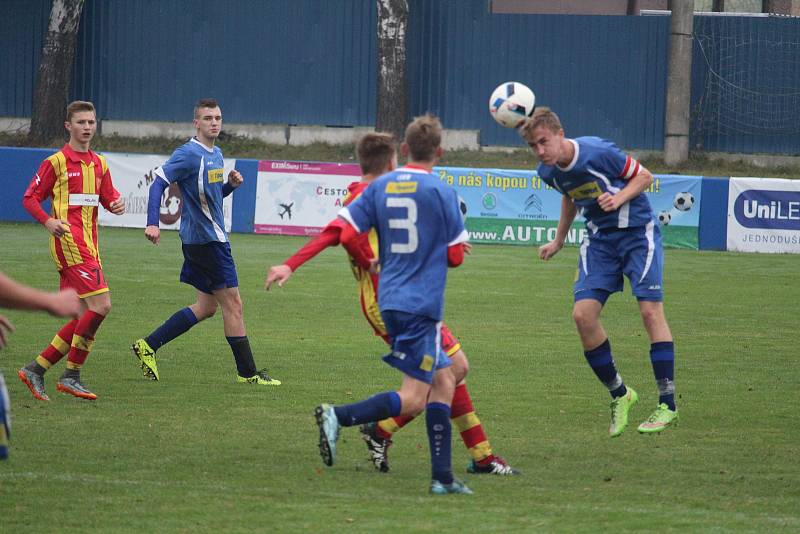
(197, 452)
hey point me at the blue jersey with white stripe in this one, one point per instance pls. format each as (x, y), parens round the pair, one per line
(599, 166)
(417, 217)
(198, 171)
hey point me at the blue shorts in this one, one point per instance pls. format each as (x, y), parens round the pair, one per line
(607, 255)
(209, 267)
(416, 345)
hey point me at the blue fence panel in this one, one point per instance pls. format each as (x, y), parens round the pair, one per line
(284, 61)
(605, 76)
(23, 25)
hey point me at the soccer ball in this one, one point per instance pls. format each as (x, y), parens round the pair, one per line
(511, 103)
(683, 201)
(462, 207)
(664, 217)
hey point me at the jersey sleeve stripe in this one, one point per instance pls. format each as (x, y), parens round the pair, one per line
(463, 237)
(344, 213)
(631, 168)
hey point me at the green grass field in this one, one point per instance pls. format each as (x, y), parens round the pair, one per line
(196, 452)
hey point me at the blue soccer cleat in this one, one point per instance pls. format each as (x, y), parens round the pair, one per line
(456, 487)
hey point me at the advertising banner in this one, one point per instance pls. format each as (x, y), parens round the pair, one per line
(132, 175)
(517, 207)
(300, 198)
(764, 215)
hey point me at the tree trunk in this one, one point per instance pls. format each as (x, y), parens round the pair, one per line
(676, 140)
(780, 7)
(55, 71)
(392, 84)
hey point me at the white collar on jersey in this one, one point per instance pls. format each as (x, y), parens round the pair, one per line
(412, 169)
(210, 150)
(574, 158)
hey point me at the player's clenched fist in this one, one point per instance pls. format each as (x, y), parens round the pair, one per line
(153, 234)
(235, 178)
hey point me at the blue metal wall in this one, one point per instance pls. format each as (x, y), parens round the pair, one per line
(314, 62)
(604, 76)
(283, 61)
(23, 24)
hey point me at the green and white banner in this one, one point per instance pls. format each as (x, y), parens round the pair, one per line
(518, 208)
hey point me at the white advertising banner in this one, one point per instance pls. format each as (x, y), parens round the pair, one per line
(764, 215)
(300, 198)
(132, 175)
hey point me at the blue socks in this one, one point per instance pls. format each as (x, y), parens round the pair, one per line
(662, 357)
(437, 418)
(176, 325)
(376, 408)
(602, 363)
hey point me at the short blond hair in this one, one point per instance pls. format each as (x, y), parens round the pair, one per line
(544, 117)
(423, 137)
(375, 151)
(77, 106)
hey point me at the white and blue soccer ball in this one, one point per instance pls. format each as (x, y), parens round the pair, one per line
(664, 217)
(511, 104)
(683, 201)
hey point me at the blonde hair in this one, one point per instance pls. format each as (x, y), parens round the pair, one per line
(77, 106)
(543, 116)
(423, 137)
(375, 151)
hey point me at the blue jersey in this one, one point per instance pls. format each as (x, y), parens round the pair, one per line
(417, 217)
(599, 166)
(198, 171)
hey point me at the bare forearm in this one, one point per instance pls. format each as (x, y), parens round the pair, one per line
(568, 212)
(21, 297)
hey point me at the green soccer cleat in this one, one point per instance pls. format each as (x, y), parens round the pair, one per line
(328, 432)
(147, 358)
(619, 412)
(659, 420)
(437, 488)
(261, 378)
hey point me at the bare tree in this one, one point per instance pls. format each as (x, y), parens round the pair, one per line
(392, 83)
(55, 70)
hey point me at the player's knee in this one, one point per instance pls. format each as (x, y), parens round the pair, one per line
(101, 307)
(460, 366)
(411, 405)
(204, 312)
(652, 316)
(583, 318)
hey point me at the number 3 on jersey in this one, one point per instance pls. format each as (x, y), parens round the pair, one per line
(409, 224)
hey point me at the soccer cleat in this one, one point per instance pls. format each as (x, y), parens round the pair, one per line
(328, 432)
(378, 446)
(659, 420)
(74, 387)
(619, 412)
(261, 378)
(497, 466)
(34, 382)
(437, 488)
(5, 419)
(147, 358)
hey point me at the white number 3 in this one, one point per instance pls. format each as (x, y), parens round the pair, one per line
(408, 224)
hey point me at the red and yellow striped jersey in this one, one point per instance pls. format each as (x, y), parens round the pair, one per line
(76, 183)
